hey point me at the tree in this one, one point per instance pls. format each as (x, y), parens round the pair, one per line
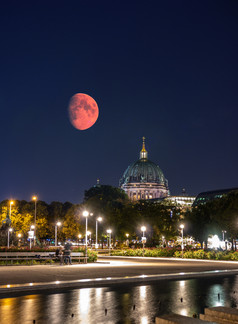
(213, 217)
(71, 226)
(108, 202)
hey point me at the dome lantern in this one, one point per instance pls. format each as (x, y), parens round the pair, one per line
(143, 152)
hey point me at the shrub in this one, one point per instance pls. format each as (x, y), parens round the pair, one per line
(233, 256)
(178, 254)
(211, 255)
(188, 254)
(199, 254)
(92, 256)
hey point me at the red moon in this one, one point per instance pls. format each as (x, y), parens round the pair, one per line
(83, 111)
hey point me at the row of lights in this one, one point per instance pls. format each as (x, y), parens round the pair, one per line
(85, 214)
(109, 231)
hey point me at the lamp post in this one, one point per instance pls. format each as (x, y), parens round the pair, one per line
(79, 236)
(11, 203)
(223, 235)
(32, 228)
(99, 219)
(8, 236)
(143, 229)
(56, 226)
(19, 239)
(35, 199)
(85, 214)
(90, 238)
(127, 241)
(182, 227)
(109, 231)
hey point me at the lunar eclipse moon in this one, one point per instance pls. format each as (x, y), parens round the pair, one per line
(83, 111)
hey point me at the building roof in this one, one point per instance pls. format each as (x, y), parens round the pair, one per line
(206, 196)
(143, 171)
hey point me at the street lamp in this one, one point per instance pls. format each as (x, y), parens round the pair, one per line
(19, 239)
(90, 237)
(127, 241)
(8, 235)
(143, 229)
(109, 231)
(35, 200)
(85, 214)
(223, 235)
(79, 236)
(30, 233)
(99, 219)
(182, 227)
(56, 226)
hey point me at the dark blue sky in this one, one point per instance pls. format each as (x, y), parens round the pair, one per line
(166, 70)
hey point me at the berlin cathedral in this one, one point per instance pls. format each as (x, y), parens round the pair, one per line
(143, 179)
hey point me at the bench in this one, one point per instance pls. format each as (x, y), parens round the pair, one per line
(10, 257)
(13, 257)
(79, 256)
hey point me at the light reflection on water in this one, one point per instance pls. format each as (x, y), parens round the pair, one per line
(121, 304)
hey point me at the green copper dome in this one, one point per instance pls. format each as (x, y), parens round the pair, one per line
(143, 171)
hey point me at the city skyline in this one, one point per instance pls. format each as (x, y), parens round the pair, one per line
(166, 71)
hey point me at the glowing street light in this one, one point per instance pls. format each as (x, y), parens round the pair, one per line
(109, 231)
(34, 198)
(19, 239)
(182, 227)
(99, 219)
(86, 214)
(143, 229)
(79, 236)
(127, 240)
(56, 227)
(8, 236)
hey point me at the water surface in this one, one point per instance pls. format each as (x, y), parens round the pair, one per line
(121, 303)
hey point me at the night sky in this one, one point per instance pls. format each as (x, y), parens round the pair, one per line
(166, 70)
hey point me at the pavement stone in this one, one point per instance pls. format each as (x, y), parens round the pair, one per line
(109, 270)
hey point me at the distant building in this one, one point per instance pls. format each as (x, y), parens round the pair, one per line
(144, 179)
(181, 201)
(204, 197)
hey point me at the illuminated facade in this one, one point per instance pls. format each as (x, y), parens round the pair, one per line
(144, 179)
(181, 201)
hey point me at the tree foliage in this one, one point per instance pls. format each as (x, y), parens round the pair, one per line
(214, 217)
(122, 216)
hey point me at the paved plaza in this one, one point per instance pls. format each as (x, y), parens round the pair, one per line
(107, 270)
